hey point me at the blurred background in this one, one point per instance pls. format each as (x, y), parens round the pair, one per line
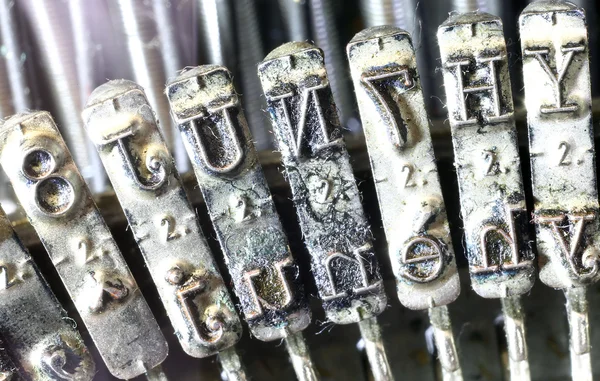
(53, 53)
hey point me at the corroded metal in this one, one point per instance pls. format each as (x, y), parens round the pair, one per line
(492, 200)
(335, 230)
(327, 201)
(44, 344)
(556, 73)
(480, 112)
(396, 127)
(206, 107)
(122, 125)
(60, 208)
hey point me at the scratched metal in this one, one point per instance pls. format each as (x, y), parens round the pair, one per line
(480, 111)
(44, 345)
(336, 233)
(556, 73)
(265, 275)
(60, 208)
(122, 125)
(396, 127)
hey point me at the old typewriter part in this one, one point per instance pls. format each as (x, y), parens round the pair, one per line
(299, 190)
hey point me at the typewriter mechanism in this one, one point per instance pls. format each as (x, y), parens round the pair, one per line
(299, 190)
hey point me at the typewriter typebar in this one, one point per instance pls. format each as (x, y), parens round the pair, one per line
(317, 167)
(207, 109)
(492, 199)
(121, 124)
(44, 344)
(480, 111)
(556, 72)
(60, 208)
(396, 126)
(266, 277)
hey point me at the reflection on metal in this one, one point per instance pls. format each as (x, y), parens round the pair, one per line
(480, 111)
(556, 72)
(60, 208)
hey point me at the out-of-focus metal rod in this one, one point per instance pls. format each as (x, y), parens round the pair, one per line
(371, 334)
(232, 365)
(445, 344)
(172, 63)
(217, 33)
(156, 374)
(300, 357)
(250, 49)
(295, 19)
(13, 57)
(327, 39)
(514, 327)
(55, 47)
(579, 328)
(378, 12)
(146, 61)
(85, 77)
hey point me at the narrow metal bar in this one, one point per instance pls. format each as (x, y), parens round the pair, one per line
(492, 199)
(171, 59)
(335, 230)
(265, 276)
(556, 73)
(371, 334)
(122, 126)
(147, 59)
(579, 329)
(85, 76)
(396, 126)
(445, 343)
(514, 326)
(232, 365)
(217, 35)
(156, 374)
(44, 345)
(300, 357)
(60, 208)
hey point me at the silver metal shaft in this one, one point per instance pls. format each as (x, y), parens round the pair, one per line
(13, 57)
(217, 35)
(579, 330)
(85, 77)
(233, 369)
(371, 334)
(171, 64)
(514, 327)
(300, 357)
(146, 61)
(327, 38)
(250, 49)
(156, 374)
(445, 344)
(294, 15)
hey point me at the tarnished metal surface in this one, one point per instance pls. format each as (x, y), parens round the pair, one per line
(120, 122)
(44, 345)
(317, 165)
(480, 111)
(492, 200)
(206, 107)
(556, 74)
(396, 129)
(60, 208)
